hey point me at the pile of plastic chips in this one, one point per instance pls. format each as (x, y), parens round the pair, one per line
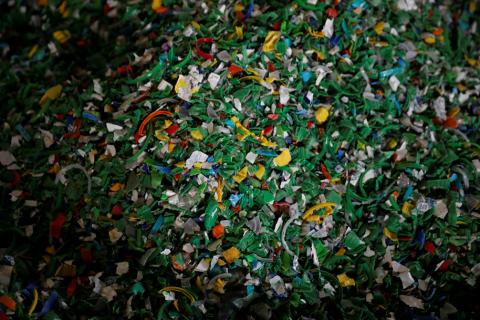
(239, 160)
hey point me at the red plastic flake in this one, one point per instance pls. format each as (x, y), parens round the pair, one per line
(16, 178)
(56, 225)
(450, 122)
(117, 210)
(444, 266)
(271, 67)
(325, 172)
(86, 255)
(77, 124)
(72, 287)
(332, 12)
(172, 129)
(234, 69)
(429, 247)
(267, 130)
(202, 54)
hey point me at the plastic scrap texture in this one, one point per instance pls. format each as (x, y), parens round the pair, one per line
(307, 159)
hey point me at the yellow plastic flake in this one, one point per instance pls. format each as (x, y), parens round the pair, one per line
(231, 254)
(32, 51)
(42, 3)
(241, 175)
(379, 27)
(237, 123)
(256, 78)
(160, 136)
(116, 187)
(218, 285)
(156, 4)
(390, 235)
(219, 190)
(239, 32)
(320, 55)
(181, 84)
(454, 112)
(471, 61)
(461, 87)
(429, 40)
(166, 124)
(270, 41)
(392, 143)
(197, 135)
(341, 252)
(244, 132)
(316, 34)
(345, 281)
(321, 115)
(51, 94)
(283, 158)
(34, 302)
(360, 145)
(180, 164)
(63, 9)
(195, 25)
(406, 208)
(472, 6)
(171, 147)
(62, 36)
(238, 7)
(266, 143)
(327, 205)
(260, 172)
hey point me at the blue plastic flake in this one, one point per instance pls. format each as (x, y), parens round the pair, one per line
(158, 224)
(408, 193)
(250, 290)
(340, 154)
(306, 76)
(235, 198)
(421, 238)
(90, 116)
(23, 132)
(265, 153)
(48, 304)
(335, 40)
(163, 169)
(249, 10)
(359, 3)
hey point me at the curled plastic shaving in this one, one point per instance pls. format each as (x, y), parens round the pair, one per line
(219, 276)
(327, 205)
(284, 231)
(466, 181)
(34, 302)
(180, 290)
(61, 173)
(460, 134)
(202, 54)
(147, 119)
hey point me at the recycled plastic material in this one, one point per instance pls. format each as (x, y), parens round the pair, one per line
(239, 159)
